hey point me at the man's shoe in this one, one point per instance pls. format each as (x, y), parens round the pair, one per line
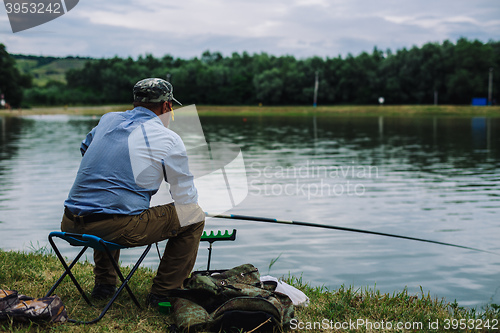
(152, 300)
(103, 291)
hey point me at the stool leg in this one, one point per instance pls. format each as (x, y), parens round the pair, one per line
(82, 240)
(120, 275)
(129, 276)
(68, 271)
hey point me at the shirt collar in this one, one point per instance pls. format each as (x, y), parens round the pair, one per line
(145, 110)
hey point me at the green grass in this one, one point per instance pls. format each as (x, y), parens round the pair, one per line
(70, 110)
(53, 71)
(34, 273)
(352, 110)
(281, 111)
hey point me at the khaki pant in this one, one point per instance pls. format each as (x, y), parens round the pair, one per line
(151, 226)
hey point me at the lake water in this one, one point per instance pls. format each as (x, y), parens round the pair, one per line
(436, 178)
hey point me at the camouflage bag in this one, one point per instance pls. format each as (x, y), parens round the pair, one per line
(7, 299)
(234, 300)
(24, 308)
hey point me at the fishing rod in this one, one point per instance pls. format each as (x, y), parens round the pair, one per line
(326, 226)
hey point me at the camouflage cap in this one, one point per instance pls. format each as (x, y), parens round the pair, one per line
(153, 90)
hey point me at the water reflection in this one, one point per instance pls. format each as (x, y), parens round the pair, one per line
(427, 177)
(434, 179)
(422, 141)
(10, 129)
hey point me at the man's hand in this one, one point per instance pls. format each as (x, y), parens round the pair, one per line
(189, 214)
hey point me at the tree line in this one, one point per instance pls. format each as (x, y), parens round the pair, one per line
(453, 73)
(12, 82)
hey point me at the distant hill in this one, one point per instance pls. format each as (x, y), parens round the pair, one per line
(45, 69)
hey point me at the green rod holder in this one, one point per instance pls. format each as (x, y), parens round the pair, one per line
(212, 237)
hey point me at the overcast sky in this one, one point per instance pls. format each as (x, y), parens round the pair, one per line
(303, 28)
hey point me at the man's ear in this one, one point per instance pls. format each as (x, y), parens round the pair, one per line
(168, 106)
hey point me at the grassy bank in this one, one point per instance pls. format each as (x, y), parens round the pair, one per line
(34, 273)
(366, 110)
(354, 110)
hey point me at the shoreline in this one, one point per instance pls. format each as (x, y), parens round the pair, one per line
(335, 110)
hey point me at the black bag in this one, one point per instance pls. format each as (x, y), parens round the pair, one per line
(24, 308)
(233, 300)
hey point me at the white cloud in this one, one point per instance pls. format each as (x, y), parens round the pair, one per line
(299, 27)
(430, 22)
(322, 3)
(193, 17)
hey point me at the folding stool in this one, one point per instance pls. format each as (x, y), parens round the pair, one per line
(96, 243)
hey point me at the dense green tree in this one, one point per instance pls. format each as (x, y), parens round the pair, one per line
(470, 78)
(453, 72)
(268, 86)
(12, 81)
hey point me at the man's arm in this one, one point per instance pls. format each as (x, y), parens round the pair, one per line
(177, 174)
(184, 193)
(87, 141)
